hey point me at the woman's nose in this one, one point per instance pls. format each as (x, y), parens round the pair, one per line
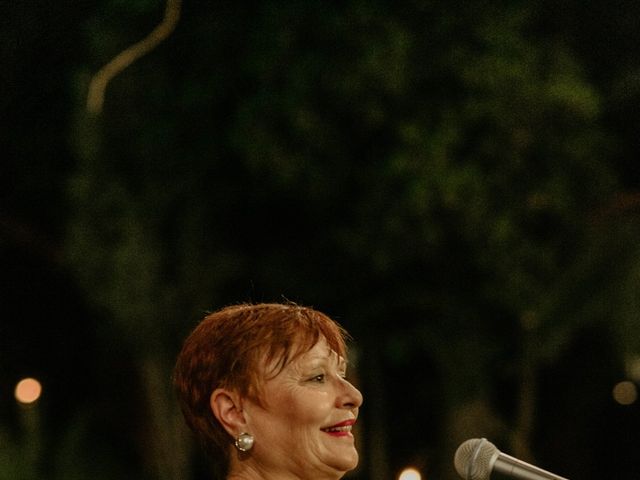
(350, 396)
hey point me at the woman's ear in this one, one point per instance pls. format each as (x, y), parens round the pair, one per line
(227, 408)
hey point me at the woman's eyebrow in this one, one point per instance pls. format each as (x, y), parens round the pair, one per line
(319, 358)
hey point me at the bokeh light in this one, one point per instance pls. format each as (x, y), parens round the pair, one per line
(28, 390)
(625, 393)
(410, 474)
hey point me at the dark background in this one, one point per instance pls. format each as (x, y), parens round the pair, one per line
(455, 182)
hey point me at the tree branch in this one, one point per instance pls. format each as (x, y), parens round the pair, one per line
(98, 85)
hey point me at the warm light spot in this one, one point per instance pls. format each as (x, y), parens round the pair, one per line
(28, 390)
(625, 393)
(410, 474)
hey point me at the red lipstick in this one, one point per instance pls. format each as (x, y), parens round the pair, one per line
(342, 429)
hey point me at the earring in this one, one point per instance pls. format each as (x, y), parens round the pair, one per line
(244, 442)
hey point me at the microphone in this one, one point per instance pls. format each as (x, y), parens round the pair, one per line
(478, 459)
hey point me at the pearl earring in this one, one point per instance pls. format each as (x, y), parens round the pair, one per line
(244, 442)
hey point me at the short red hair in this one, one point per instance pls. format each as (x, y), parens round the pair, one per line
(230, 348)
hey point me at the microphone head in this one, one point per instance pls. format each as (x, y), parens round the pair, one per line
(474, 459)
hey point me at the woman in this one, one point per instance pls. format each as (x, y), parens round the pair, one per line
(263, 387)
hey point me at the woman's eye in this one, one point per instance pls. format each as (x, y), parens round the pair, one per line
(318, 378)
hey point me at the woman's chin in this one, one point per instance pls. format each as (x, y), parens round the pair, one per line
(347, 461)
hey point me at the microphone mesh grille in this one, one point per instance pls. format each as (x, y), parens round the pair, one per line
(473, 459)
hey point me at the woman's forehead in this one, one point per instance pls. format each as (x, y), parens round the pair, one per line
(320, 353)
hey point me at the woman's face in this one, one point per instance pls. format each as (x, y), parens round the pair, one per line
(304, 427)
